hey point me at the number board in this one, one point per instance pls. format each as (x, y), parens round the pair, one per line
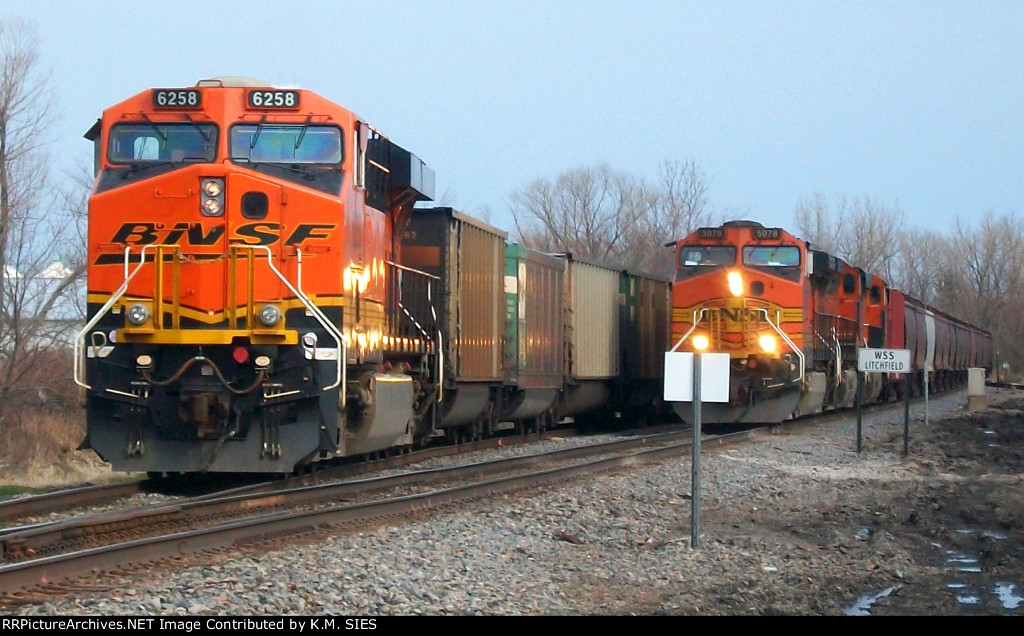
(711, 232)
(766, 233)
(177, 98)
(272, 98)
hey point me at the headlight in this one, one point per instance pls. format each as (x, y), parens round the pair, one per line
(212, 203)
(138, 314)
(700, 343)
(735, 283)
(767, 343)
(270, 315)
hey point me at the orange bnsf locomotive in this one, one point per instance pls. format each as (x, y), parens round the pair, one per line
(241, 238)
(263, 296)
(792, 318)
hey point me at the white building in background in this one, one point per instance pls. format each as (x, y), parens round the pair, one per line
(67, 315)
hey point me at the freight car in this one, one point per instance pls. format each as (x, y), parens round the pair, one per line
(791, 316)
(267, 293)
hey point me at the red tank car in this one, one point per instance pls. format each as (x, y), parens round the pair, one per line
(242, 283)
(946, 346)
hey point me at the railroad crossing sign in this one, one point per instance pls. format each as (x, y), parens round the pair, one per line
(886, 360)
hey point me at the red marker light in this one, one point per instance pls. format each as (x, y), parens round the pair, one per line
(240, 354)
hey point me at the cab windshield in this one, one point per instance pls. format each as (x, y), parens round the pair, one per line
(707, 255)
(144, 143)
(695, 260)
(771, 256)
(286, 144)
(782, 261)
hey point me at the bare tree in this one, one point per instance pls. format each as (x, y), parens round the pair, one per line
(682, 200)
(976, 274)
(613, 217)
(583, 211)
(858, 230)
(816, 223)
(922, 257)
(38, 296)
(984, 279)
(679, 205)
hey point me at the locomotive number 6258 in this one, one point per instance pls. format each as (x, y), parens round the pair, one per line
(273, 99)
(177, 98)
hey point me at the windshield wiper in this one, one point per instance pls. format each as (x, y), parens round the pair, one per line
(156, 129)
(202, 131)
(256, 135)
(302, 133)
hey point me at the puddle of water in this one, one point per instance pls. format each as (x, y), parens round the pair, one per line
(863, 605)
(990, 534)
(970, 570)
(1008, 596)
(961, 563)
(1008, 593)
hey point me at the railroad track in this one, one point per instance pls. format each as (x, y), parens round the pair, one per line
(171, 533)
(70, 500)
(65, 499)
(51, 559)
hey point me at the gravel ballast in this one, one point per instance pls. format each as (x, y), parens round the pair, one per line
(617, 543)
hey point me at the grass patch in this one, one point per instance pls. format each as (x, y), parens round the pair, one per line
(40, 452)
(12, 490)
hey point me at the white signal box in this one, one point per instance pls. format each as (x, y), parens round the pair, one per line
(714, 377)
(884, 360)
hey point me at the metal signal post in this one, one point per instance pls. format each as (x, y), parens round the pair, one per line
(694, 378)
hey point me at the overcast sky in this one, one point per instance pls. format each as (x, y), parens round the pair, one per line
(911, 103)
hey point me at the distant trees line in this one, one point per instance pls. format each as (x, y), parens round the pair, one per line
(974, 272)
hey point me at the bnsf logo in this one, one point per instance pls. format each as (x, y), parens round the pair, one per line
(741, 315)
(195, 234)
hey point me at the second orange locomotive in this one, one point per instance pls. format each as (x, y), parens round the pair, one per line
(792, 317)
